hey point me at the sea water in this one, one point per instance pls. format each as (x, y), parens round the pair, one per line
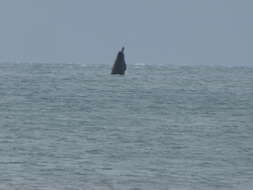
(75, 126)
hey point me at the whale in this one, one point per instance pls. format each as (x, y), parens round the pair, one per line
(119, 66)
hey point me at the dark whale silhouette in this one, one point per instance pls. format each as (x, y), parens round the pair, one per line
(119, 66)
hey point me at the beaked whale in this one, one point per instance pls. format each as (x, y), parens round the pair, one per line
(119, 66)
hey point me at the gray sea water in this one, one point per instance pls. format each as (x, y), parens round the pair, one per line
(74, 126)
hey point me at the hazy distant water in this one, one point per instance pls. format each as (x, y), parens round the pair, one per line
(66, 126)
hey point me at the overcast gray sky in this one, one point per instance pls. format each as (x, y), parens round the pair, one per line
(203, 32)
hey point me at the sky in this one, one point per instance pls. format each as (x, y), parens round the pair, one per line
(177, 32)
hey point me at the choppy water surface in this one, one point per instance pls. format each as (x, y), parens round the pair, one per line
(70, 126)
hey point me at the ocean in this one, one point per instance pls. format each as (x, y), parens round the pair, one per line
(159, 127)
